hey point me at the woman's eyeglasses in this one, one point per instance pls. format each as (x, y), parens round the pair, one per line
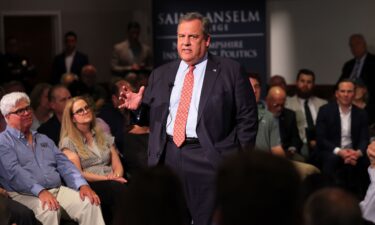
(82, 110)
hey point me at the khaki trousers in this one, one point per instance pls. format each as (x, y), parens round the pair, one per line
(71, 205)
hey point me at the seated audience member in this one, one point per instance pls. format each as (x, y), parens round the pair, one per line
(116, 118)
(69, 61)
(332, 206)
(93, 152)
(31, 168)
(361, 95)
(87, 86)
(154, 197)
(257, 188)
(277, 80)
(57, 98)
(136, 134)
(268, 136)
(306, 106)
(291, 142)
(131, 54)
(15, 213)
(342, 138)
(40, 105)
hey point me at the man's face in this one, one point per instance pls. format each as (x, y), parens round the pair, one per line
(191, 44)
(256, 87)
(305, 85)
(70, 43)
(345, 93)
(275, 104)
(61, 96)
(358, 46)
(20, 116)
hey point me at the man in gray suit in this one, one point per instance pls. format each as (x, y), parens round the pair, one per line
(306, 106)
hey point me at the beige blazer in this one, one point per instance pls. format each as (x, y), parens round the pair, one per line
(294, 104)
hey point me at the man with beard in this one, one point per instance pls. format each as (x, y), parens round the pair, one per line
(306, 107)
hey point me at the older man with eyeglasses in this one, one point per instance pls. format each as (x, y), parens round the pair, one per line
(31, 168)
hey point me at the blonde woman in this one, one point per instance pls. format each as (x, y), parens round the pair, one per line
(93, 152)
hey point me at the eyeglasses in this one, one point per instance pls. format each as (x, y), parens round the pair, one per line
(82, 110)
(277, 105)
(22, 111)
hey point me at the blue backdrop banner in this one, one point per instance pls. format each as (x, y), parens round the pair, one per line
(237, 30)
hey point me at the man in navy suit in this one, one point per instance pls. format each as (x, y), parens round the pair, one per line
(222, 114)
(362, 67)
(69, 61)
(342, 139)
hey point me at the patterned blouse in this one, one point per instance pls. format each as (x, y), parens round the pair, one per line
(98, 160)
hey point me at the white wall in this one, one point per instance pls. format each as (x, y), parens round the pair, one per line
(314, 34)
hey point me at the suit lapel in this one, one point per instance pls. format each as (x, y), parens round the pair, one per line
(353, 123)
(210, 76)
(337, 119)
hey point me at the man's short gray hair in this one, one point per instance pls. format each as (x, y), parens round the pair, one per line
(197, 16)
(10, 100)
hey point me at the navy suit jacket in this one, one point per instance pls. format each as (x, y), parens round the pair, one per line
(328, 128)
(58, 67)
(227, 114)
(368, 76)
(368, 68)
(288, 130)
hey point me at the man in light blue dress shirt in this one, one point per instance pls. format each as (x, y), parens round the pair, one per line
(31, 168)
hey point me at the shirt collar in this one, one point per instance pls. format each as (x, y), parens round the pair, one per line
(17, 133)
(186, 66)
(342, 112)
(363, 58)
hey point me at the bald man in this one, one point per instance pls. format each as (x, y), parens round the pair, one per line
(290, 139)
(268, 136)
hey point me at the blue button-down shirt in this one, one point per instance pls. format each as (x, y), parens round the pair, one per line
(191, 124)
(29, 169)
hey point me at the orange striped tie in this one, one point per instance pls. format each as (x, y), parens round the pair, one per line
(179, 128)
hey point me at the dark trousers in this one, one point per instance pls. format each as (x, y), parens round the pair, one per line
(109, 193)
(20, 214)
(352, 178)
(198, 179)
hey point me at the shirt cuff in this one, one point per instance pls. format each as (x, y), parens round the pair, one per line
(81, 183)
(36, 189)
(336, 150)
